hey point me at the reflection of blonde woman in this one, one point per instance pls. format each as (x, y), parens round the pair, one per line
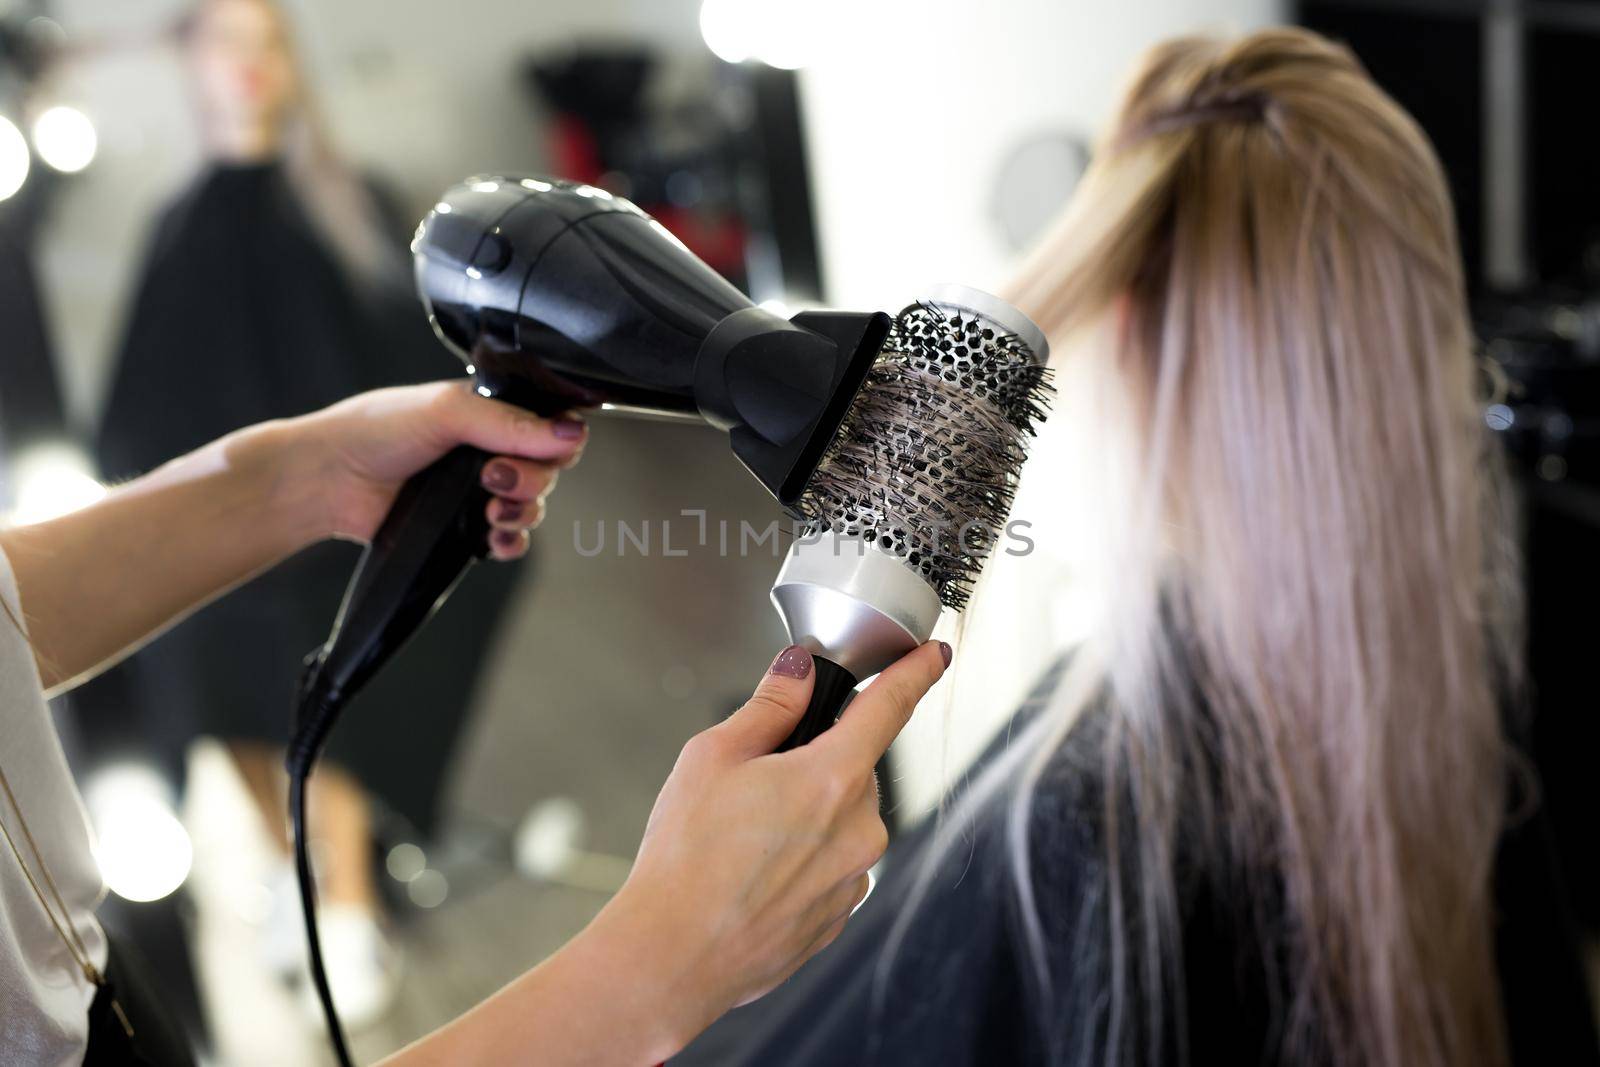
(275, 284)
(1262, 816)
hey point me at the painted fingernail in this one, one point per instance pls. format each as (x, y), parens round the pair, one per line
(507, 540)
(792, 662)
(511, 510)
(947, 652)
(567, 429)
(500, 477)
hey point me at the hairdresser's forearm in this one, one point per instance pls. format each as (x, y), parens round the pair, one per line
(100, 581)
(619, 993)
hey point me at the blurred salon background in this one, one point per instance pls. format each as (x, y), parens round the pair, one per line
(204, 212)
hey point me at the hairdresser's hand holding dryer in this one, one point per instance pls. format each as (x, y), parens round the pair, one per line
(751, 863)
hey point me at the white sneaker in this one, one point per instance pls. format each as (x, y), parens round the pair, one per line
(363, 967)
(282, 937)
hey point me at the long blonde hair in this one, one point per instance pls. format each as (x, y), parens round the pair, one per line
(1311, 591)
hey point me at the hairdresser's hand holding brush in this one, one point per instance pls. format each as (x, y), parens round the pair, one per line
(752, 862)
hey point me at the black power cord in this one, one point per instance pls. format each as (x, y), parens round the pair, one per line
(436, 527)
(308, 904)
(315, 712)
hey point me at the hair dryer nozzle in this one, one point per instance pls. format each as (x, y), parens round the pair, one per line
(781, 389)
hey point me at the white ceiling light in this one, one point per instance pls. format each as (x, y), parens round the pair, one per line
(728, 27)
(52, 479)
(13, 159)
(141, 847)
(65, 139)
(780, 33)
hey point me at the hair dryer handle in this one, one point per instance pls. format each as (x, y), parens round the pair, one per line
(436, 527)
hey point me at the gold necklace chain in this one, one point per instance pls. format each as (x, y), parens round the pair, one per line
(64, 927)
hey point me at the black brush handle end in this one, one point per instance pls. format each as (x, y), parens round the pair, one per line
(830, 693)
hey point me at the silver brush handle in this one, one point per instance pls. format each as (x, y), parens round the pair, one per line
(857, 609)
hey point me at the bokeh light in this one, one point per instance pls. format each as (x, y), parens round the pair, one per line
(14, 159)
(141, 847)
(65, 139)
(52, 480)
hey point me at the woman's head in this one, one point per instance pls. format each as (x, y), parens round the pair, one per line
(1259, 285)
(241, 58)
(255, 106)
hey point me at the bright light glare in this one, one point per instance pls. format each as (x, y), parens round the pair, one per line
(872, 883)
(51, 481)
(13, 159)
(143, 851)
(668, 234)
(726, 26)
(547, 841)
(781, 33)
(794, 37)
(65, 139)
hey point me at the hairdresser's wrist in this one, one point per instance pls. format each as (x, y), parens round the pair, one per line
(294, 480)
(611, 995)
(656, 981)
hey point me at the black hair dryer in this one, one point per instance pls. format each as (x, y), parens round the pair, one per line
(559, 296)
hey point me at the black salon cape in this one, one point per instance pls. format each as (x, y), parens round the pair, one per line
(960, 992)
(241, 315)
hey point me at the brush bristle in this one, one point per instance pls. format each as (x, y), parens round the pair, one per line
(926, 462)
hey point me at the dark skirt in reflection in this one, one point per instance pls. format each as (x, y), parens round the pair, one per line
(244, 314)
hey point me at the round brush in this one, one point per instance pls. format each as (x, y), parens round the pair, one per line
(912, 494)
